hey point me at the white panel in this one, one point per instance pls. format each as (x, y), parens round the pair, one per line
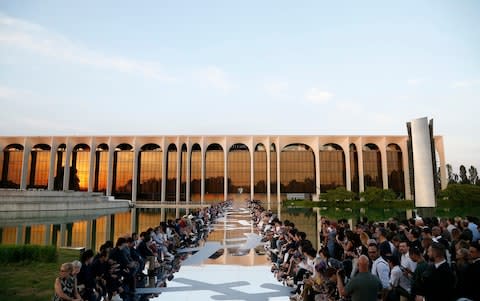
(422, 163)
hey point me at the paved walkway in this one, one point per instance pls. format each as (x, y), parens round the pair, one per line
(238, 274)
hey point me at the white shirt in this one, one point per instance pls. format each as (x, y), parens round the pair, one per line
(408, 263)
(381, 269)
(397, 278)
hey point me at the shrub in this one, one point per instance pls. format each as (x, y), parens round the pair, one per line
(20, 253)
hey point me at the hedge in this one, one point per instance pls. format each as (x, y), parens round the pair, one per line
(20, 253)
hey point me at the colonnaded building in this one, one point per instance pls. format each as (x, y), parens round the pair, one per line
(198, 169)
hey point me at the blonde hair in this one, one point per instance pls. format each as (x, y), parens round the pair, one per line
(76, 264)
(67, 266)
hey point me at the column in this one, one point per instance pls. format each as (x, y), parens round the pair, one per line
(316, 152)
(361, 180)
(252, 170)
(204, 159)
(422, 163)
(164, 171)
(179, 166)
(66, 173)
(268, 175)
(406, 170)
(383, 153)
(136, 153)
(51, 170)
(225, 175)
(279, 193)
(188, 176)
(443, 169)
(2, 146)
(111, 158)
(91, 169)
(27, 148)
(348, 171)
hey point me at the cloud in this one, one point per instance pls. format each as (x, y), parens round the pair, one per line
(215, 77)
(276, 89)
(317, 96)
(35, 38)
(465, 83)
(8, 93)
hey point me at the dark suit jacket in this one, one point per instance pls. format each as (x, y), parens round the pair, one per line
(439, 283)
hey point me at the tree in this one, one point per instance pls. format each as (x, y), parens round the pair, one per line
(463, 175)
(462, 195)
(338, 194)
(375, 194)
(451, 176)
(473, 175)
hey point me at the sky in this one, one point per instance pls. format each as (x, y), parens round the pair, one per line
(242, 67)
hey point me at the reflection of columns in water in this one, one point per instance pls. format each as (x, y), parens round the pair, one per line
(19, 238)
(88, 235)
(94, 235)
(63, 236)
(319, 227)
(108, 227)
(47, 234)
(69, 234)
(133, 220)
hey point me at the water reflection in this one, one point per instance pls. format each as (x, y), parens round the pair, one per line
(91, 228)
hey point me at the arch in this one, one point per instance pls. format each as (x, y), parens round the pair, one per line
(171, 168)
(124, 147)
(372, 166)
(260, 171)
(39, 166)
(332, 167)
(297, 172)
(122, 171)
(395, 170)
(101, 168)
(354, 173)
(196, 173)
(12, 166)
(238, 169)
(150, 161)
(214, 172)
(151, 147)
(80, 168)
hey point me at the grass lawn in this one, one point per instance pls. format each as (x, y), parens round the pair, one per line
(32, 281)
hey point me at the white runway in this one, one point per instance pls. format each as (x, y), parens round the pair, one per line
(238, 274)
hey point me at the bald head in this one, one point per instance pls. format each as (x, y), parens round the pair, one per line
(363, 263)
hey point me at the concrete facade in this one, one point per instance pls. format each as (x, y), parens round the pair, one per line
(280, 142)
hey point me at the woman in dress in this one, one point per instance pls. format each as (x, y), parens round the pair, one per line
(65, 284)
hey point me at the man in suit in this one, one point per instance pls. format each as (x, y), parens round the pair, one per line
(473, 273)
(438, 277)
